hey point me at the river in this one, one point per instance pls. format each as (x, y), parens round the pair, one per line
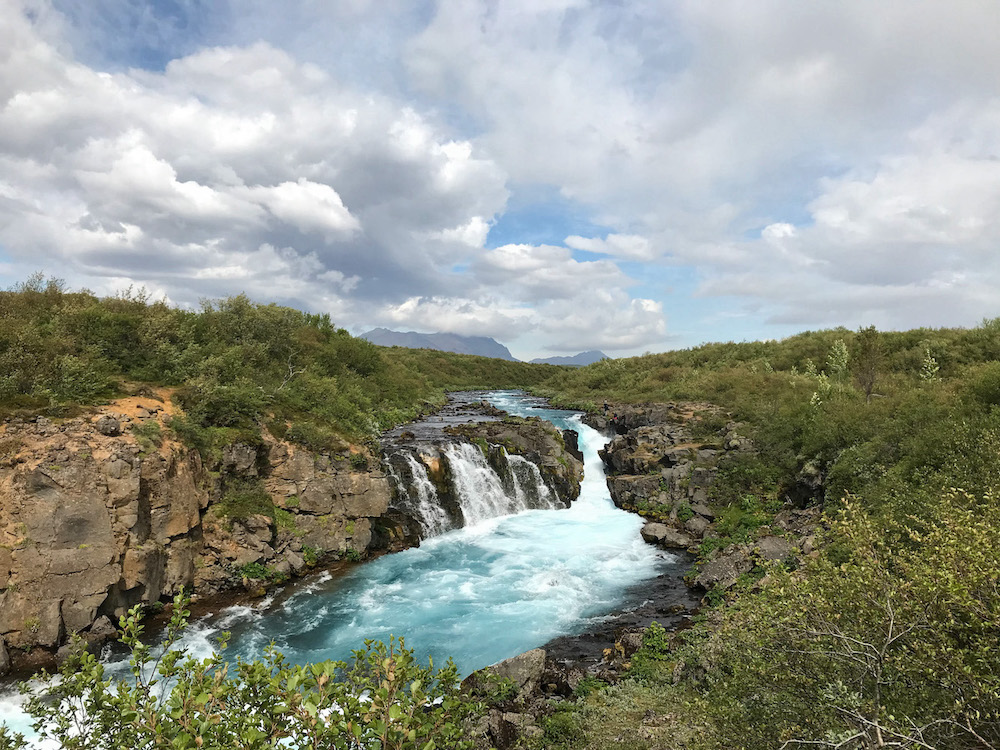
(477, 594)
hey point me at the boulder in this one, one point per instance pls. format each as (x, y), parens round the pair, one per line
(108, 425)
(103, 629)
(665, 536)
(697, 526)
(774, 547)
(524, 671)
(572, 440)
(653, 533)
(561, 679)
(723, 571)
(295, 561)
(703, 510)
(240, 459)
(630, 643)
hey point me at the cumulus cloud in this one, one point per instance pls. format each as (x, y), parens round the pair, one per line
(694, 125)
(158, 177)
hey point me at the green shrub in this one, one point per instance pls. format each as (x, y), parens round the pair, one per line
(647, 661)
(259, 572)
(382, 698)
(148, 434)
(588, 685)
(244, 498)
(311, 555)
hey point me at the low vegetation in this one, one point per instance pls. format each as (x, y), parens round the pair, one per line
(886, 635)
(236, 367)
(383, 698)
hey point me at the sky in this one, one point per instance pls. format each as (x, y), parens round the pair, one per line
(560, 175)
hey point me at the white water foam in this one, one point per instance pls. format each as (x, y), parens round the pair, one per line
(529, 487)
(479, 489)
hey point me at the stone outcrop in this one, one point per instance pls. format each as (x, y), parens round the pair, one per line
(103, 512)
(660, 470)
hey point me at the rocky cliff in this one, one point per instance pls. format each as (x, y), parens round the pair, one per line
(102, 512)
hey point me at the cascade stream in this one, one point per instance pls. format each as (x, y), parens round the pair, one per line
(511, 570)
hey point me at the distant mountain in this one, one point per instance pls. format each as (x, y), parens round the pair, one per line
(482, 346)
(577, 360)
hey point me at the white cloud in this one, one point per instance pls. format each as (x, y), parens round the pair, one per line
(626, 246)
(308, 206)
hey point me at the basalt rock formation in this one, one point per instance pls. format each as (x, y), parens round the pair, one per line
(103, 512)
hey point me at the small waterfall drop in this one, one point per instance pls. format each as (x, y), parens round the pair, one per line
(432, 517)
(529, 487)
(479, 489)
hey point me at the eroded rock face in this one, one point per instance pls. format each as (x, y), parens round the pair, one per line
(94, 519)
(78, 498)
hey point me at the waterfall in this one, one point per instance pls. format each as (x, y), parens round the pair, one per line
(477, 490)
(417, 495)
(529, 486)
(432, 517)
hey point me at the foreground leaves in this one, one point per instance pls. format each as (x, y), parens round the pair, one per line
(382, 699)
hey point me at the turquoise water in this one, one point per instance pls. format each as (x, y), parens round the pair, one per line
(478, 594)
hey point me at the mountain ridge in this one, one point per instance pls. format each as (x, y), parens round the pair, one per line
(482, 346)
(577, 360)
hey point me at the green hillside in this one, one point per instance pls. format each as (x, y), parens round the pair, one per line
(235, 366)
(887, 635)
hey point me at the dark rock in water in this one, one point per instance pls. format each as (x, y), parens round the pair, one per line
(663, 535)
(572, 440)
(102, 629)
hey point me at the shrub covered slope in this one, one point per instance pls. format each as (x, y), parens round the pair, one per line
(235, 365)
(889, 634)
